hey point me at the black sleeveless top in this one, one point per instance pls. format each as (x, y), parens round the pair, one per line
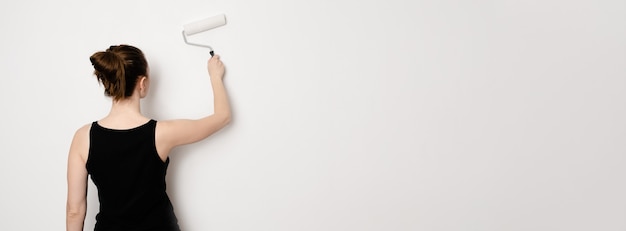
(130, 177)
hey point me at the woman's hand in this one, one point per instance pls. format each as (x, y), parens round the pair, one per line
(216, 67)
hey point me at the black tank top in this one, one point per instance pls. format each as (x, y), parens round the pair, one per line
(130, 177)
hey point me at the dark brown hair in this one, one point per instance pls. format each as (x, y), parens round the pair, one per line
(118, 69)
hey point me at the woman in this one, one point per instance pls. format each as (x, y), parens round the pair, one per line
(126, 153)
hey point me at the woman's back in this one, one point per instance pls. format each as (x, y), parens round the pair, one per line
(130, 176)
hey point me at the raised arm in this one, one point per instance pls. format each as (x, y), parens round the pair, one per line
(172, 133)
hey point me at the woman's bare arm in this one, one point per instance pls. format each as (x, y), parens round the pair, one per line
(77, 180)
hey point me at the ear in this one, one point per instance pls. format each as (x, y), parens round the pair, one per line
(143, 85)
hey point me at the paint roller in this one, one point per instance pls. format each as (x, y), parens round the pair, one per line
(201, 26)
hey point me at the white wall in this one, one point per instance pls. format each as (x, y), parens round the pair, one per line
(349, 115)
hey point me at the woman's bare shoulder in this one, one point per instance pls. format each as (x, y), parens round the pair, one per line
(83, 131)
(80, 142)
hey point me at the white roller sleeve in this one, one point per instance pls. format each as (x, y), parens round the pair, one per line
(204, 25)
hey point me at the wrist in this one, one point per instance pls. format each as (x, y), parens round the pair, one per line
(216, 79)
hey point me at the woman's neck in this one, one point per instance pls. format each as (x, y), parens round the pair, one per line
(124, 114)
(126, 108)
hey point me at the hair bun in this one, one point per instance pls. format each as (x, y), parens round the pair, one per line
(105, 64)
(109, 69)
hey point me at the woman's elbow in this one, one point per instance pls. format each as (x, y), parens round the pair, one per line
(76, 215)
(226, 119)
(76, 210)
